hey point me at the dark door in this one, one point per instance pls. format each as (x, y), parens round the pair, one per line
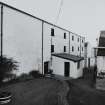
(88, 62)
(66, 69)
(45, 67)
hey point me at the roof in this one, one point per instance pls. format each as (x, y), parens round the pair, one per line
(39, 18)
(68, 56)
(101, 50)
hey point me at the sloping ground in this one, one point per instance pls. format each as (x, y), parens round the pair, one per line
(36, 92)
(100, 84)
(82, 93)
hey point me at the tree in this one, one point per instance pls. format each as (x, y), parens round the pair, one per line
(7, 65)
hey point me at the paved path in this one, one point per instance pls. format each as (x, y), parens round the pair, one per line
(59, 77)
(35, 92)
(82, 93)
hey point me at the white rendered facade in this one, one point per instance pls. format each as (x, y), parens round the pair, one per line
(28, 40)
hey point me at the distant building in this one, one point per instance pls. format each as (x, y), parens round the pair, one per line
(89, 55)
(101, 53)
(39, 45)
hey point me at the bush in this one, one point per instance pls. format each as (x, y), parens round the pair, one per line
(7, 65)
(35, 74)
(24, 77)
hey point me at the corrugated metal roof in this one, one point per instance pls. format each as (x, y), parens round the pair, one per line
(68, 56)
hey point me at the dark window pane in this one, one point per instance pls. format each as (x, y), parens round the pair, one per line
(78, 39)
(78, 48)
(82, 48)
(64, 35)
(64, 48)
(78, 65)
(72, 48)
(72, 37)
(52, 48)
(52, 32)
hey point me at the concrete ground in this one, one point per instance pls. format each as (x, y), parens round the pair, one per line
(36, 92)
(83, 92)
(47, 91)
(100, 84)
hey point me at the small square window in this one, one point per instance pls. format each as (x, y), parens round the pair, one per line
(72, 37)
(64, 48)
(78, 39)
(64, 35)
(72, 48)
(82, 48)
(52, 48)
(78, 65)
(52, 32)
(78, 48)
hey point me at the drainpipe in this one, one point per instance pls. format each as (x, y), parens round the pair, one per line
(80, 46)
(42, 47)
(69, 42)
(1, 32)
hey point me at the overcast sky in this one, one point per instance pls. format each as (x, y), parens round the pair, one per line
(84, 17)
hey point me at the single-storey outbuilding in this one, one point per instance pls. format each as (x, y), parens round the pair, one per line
(66, 64)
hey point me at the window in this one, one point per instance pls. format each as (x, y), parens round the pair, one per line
(78, 65)
(72, 48)
(82, 40)
(64, 48)
(52, 32)
(72, 37)
(82, 48)
(78, 48)
(52, 48)
(64, 35)
(78, 39)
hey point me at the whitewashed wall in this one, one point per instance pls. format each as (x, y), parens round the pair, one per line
(92, 61)
(101, 63)
(47, 42)
(58, 67)
(73, 69)
(59, 42)
(75, 43)
(80, 70)
(89, 54)
(22, 39)
(76, 73)
(89, 50)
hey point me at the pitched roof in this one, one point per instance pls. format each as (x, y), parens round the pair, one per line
(68, 56)
(101, 51)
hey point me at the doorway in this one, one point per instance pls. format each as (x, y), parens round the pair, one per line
(46, 64)
(66, 69)
(88, 62)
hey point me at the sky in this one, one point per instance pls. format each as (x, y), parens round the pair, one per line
(83, 17)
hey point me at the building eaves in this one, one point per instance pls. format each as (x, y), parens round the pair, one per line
(39, 18)
(68, 56)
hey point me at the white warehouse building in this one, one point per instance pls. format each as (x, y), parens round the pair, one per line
(39, 45)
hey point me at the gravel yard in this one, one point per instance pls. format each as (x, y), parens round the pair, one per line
(36, 92)
(83, 93)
